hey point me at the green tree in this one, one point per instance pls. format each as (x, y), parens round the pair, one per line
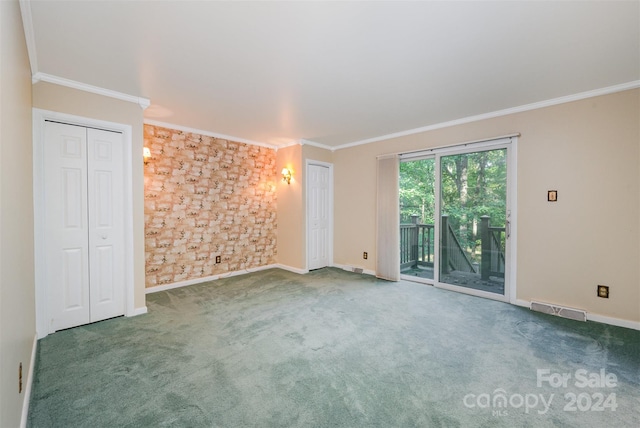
(417, 196)
(472, 185)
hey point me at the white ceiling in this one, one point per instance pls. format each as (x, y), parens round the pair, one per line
(335, 73)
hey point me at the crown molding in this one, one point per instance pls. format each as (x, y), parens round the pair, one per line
(43, 77)
(209, 134)
(293, 143)
(314, 144)
(527, 107)
(303, 142)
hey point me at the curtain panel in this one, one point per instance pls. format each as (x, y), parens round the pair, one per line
(388, 219)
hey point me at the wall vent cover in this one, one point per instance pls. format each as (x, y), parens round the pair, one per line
(560, 311)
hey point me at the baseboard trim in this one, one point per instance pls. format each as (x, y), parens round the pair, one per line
(139, 311)
(634, 325)
(27, 389)
(179, 284)
(291, 269)
(299, 271)
(351, 269)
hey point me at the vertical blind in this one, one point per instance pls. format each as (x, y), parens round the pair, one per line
(388, 219)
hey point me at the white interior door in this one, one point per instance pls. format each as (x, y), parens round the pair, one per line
(84, 244)
(318, 216)
(66, 225)
(106, 223)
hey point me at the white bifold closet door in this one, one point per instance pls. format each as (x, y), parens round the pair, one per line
(84, 224)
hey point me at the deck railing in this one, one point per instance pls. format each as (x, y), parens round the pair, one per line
(493, 241)
(454, 257)
(416, 244)
(417, 248)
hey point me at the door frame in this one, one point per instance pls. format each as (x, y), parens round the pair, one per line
(511, 144)
(39, 118)
(309, 162)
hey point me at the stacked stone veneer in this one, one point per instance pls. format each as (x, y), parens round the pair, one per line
(206, 197)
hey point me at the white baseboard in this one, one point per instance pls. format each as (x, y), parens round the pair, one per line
(29, 382)
(292, 269)
(179, 284)
(635, 325)
(351, 269)
(171, 286)
(139, 311)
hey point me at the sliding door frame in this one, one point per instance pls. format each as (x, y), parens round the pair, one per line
(436, 224)
(510, 143)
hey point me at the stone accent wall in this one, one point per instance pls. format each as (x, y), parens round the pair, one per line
(206, 197)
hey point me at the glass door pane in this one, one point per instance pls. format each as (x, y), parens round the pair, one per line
(473, 205)
(417, 215)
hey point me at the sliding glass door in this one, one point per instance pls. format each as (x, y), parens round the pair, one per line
(417, 218)
(455, 218)
(473, 220)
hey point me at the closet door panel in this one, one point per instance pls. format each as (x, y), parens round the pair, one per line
(106, 223)
(67, 259)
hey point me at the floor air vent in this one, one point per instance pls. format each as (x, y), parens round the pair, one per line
(358, 270)
(560, 311)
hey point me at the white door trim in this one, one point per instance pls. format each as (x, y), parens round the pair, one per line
(39, 118)
(309, 162)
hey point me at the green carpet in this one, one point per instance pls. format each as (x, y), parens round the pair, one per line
(335, 349)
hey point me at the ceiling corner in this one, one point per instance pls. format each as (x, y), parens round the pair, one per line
(29, 35)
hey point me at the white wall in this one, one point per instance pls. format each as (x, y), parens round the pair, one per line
(17, 302)
(292, 239)
(588, 150)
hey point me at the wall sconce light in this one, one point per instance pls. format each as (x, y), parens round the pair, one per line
(146, 155)
(286, 175)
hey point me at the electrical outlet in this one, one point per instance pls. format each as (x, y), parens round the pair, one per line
(218, 259)
(365, 255)
(603, 291)
(20, 379)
